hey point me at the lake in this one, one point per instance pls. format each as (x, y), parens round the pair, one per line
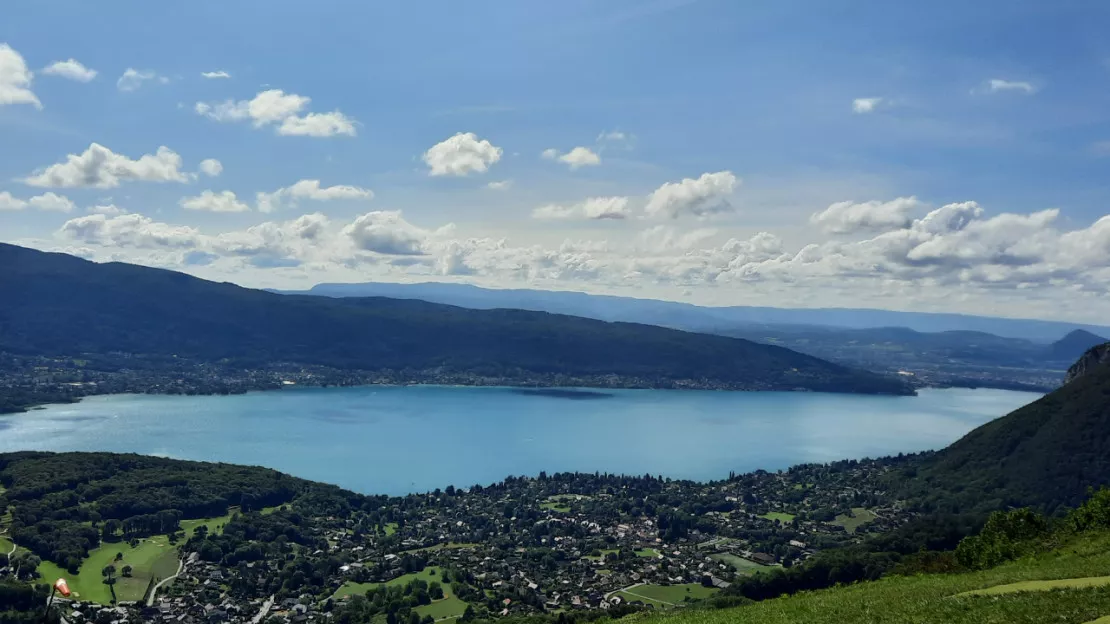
(394, 440)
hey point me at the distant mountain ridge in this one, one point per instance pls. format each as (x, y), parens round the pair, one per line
(700, 318)
(56, 304)
(1075, 344)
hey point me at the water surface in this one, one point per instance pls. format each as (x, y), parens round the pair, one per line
(394, 440)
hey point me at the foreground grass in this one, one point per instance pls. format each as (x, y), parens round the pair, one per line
(933, 598)
(1027, 586)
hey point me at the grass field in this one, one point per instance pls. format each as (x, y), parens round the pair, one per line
(936, 598)
(1028, 586)
(430, 573)
(667, 595)
(647, 552)
(780, 516)
(604, 552)
(742, 565)
(555, 506)
(390, 528)
(861, 517)
(441, 609)
(153, 557)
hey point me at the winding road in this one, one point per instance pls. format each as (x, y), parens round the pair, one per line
(159, 584)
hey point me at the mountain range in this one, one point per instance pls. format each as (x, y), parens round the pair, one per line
(56, 304)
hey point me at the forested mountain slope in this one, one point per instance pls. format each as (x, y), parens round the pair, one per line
(55, 304)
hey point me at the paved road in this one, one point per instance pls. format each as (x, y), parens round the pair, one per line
(263, 611)
(154, 592)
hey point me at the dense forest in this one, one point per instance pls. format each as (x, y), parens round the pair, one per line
(55, 304)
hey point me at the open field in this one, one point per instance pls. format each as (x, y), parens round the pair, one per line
(778, 515)
(429, 574)
(860, 517)
(604, 552)
(742, 565)
(647, 552)
(555, 506)
(667, 595)
(440, 609)
(153, 557)
(390, 528)
(936, 598)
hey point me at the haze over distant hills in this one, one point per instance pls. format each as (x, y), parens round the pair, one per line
(700, 318)
(56, 304)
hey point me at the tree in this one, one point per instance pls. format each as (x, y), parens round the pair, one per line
(127, 571)
(119, 556)
(109, 572)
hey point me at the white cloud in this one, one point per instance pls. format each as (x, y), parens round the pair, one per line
(71, 69)
(461, 155)
(996, 85)
(310, 189)
(592, 208)
(575, 158)
(318, 125)
(132, 79)
(15, 79)
(99, 167)
(106, 209)
(848, 217)
(866, 105)
(51, 202)
(131, 230)
(7, 202)
(208, 201)
(215, 74)
(211, 167)
(274, 106)
(615, 136)
(387, 232)
(501, 185)
(705, 196)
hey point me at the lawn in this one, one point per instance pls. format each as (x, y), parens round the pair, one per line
(430, 573)
(390, 528)
(153, 557)
(784, 518)
(936, 598)
(555, 506)
(647, 552)
(440, 609)
(604, 552)
(742, 565)
(5, 545)
(215, 525)
(667, 595)
(442, 546)
(859, 517)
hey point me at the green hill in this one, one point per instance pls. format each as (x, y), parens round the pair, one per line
(1046, 454)
(55, 304)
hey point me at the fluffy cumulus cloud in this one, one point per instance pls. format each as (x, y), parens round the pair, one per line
(282, 111)
(211, 167)
(387, 232)
(849, 217)
(310, 190)
(15, 79)
(996, 85)
(133, 79)
(866, 105)
(575, 158)
(592, 208)
(100, 167)
(461, 155)
(131, 230)
(48, 202)
(702, 197)
(71, 69)
(208, 201)
(215, 74)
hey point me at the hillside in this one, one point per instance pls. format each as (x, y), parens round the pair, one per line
(1075, 344)
(1045, 454)
(55, 304)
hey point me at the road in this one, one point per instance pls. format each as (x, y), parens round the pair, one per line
(263, 611)
(628, 590)
(159, 584)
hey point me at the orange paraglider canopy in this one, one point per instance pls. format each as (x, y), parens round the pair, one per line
(62, 586)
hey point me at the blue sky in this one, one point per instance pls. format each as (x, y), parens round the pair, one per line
(711, 133)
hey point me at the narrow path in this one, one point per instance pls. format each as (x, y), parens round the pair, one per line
(159, 584)
(623, 589)
(630, 593)
(263, 611)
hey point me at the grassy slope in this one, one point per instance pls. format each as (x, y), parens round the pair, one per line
(932, 598)
(151, 557)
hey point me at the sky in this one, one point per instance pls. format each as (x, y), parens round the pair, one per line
(941, 156)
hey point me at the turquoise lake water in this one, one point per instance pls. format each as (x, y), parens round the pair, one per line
(395, 440)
